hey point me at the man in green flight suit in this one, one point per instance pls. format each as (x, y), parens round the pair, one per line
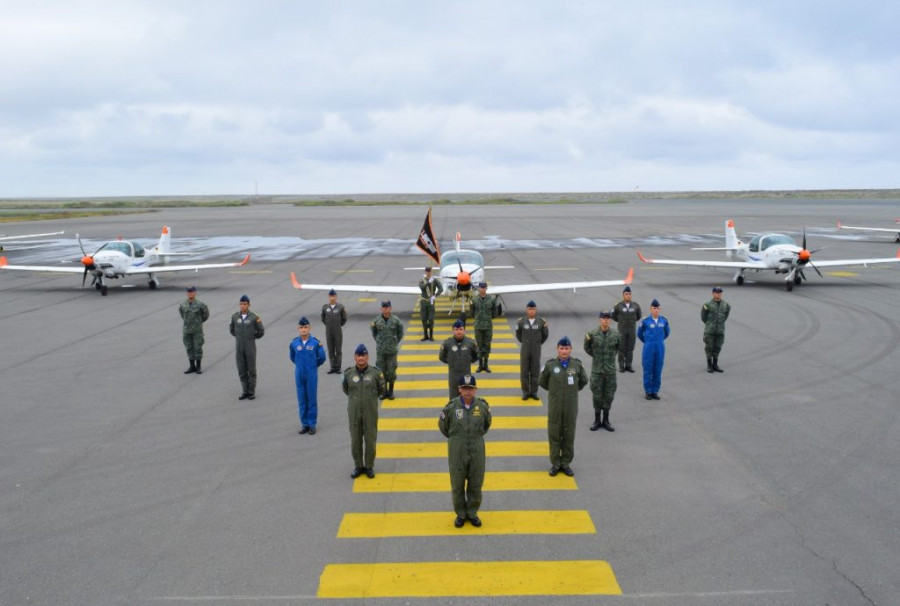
(714, 313)
(602, 344)
(563, 377)
(387, 331)
(626, 314)
(531, 332)
(431, 288)
(457, 352)
(334, 316)
(484, 310)
(363, 384)
(246, 327)
(194, 313)
(465, 420)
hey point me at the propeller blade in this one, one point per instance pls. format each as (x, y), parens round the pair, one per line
(804, 238)
(84, 276)
(815, 268)
(78, 239)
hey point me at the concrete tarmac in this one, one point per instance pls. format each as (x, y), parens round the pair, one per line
(123, 481)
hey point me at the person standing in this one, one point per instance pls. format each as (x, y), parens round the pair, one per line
(387, 331)
(531, 332)
(563, 377)
(713, 314)
(457, 352)
(307, 354)
(484, 310)
(246, 327)
(464, 421)
(626, 314)
(602, 344)
(363, 384)
(193, 313)
(653, 332)
(431, 288)
(334, 316)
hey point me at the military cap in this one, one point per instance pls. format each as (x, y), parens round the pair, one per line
(459, 324)
(482, 285)
(428, 270)
(361, 350)
(626, 289)
(605, 314)
(192, 288)
(245, 299)
(654, 303)
(467, 381)
(385, 303)
(531, 304)
(303, 321)
(717, 289)
(332, 292)
(565, 342)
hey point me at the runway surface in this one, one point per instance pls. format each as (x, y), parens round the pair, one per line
(124, 481)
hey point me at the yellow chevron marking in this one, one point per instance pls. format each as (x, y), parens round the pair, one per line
(430, 423)
(427, 346)
(437, 402)
(440, 523)
(442, 384)
(403, 371)
(440, 482)
(433, 357)
(438, 450)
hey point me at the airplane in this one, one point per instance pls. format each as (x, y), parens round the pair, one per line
(122, 258)
(461, 270)
(7, 238)
(882, 229)
(773, 252)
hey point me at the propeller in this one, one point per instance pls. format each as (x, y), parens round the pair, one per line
(86, 260)
(804, 257)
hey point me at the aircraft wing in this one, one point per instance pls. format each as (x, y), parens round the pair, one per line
(368, 288)
(66, 269)
(728, 264)
(519, 288)
(161, 269)
(6, 238)
(889, 231)
(844, 262)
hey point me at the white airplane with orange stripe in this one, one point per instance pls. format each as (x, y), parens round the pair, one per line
(769, 252)
(460, 271)
(123, 258)
(881, 229)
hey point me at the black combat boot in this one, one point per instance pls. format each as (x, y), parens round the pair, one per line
(709, 365)
(424, 334)
(597, 422)
(715, 364)
(606, 424)
(193, 368)
(199, 372)
(480, 364)
(390, 394)
(486, 369)
(431, 334)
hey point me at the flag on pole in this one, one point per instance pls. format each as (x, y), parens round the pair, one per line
(427, 242)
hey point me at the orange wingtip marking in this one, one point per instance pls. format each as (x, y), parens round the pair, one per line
(730, 223)
(630, 275)
(165, 229)
(898, 256)
(839, 224)
(245, 261)
(643, 258)
(294, 281)
(458, 236)
(3, 262)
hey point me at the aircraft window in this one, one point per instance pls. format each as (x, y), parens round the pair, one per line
(122, 247)
(468, 257)
(754, 244)
(138, 249)
(774, 240)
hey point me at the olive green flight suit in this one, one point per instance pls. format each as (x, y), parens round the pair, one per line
(531, 337)
(484, 310)
(713, 315)
(602, 347)
(458, 356)
(194, 315)
(465, 428)
(245, 332)
(429, 288)
(562, 384)
(626, 316)
(334, 319)
(363, 388)
(387, 334)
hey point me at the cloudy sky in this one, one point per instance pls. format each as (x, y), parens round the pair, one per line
(199, 97)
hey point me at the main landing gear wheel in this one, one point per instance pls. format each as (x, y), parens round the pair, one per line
(739, 280)
(152, 284)
(97, 286)
(104, 290)
(789, 285)
(797, 280)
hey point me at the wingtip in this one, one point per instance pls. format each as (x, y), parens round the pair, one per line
(839, 224)
(3, 262)
(294, 281)
(630, 275)
(643, 258)
(245, 261)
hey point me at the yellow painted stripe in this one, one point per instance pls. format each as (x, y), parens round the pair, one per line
(366, 299)
(440, 523)
(440, 482)
(442, 370)
(430, 423)
(460, 579)
(842, 274)
(442, 384)
(450, 321)
(426, 346)
(441, 335)
(438, 450)
(432, 357)
(438, 402)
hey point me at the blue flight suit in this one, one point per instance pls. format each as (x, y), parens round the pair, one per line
(652, 333)
(307, 359)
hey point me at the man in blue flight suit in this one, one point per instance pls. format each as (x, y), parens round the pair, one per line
(307, 354)
(652, 332)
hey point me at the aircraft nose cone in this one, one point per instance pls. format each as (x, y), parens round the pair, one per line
(87, 260)
(803, 255)
(463, 279)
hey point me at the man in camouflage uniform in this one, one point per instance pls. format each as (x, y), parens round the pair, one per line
(484, 310)
(602, 344)
(713, 314)
(194, 313)
(465, 420)
(387, 332)
(246, 327)
(563, 377)
(531, 332)
(626, 314)
(457, 352)
(431, 288)
(334, 316)
(363, 384)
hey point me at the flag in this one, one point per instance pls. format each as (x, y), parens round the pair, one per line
(427, 243)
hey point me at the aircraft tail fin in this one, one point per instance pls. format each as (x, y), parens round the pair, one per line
(164, 247)
(457, 241)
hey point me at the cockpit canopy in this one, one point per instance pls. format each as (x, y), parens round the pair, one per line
(466, 257)
(764, 241)
(132, 249)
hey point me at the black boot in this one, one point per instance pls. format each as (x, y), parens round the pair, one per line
(597, 422)
(390, 394)
(431, 334)
(199, 372)
(715, 364)
(709, 364)
(424, 334)
(486, 369)
(480, 364)
(193, 368)
(606, 424)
